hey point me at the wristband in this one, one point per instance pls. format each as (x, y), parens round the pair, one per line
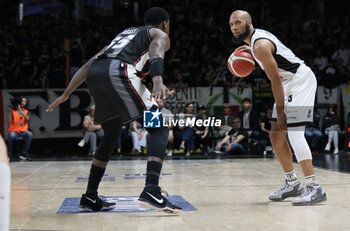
(156, 67)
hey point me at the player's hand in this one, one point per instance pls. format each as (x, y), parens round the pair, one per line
(244, 48)
(228, 148)
(159, 91)
(140, 136)
(57, 102)
(282, 120)
(218, 146)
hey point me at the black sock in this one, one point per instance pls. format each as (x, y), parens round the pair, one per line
(153, 172)
(96, 174)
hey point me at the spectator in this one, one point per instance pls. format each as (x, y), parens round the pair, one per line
(250, 119)
(168, 117)
(202, 134)
(331, 128)
(3, 81)
(331, 76)
(220, 76)
(56, 76)
(76, 58)
(226, 121)
(18, 118)
(10, 67)
(313, 133)
(180, 82)
(321, 60)
(186, 132)
(266, 124)
(92, 133)
(123, 139)
(235, 141)
(26, 71)
(343, 53)
(139, 137)
(44, 57)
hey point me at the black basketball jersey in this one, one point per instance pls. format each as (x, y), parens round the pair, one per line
(131, 46)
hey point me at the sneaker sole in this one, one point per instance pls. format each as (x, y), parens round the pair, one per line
(319, 200)
(286, 195)
(148, 205)
(86, 209)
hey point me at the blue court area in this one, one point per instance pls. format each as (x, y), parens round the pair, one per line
(84, 179)
(125, 204)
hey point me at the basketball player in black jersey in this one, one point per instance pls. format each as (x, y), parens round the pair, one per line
(120, 97)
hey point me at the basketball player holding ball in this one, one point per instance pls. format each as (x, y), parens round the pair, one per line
(294, 88)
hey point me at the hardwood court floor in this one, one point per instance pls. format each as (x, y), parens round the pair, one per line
(229, 195)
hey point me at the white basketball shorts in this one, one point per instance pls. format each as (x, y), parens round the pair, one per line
(299, 97)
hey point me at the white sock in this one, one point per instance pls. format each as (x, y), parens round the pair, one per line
(291, 177)
(311, 180)
(5, 184)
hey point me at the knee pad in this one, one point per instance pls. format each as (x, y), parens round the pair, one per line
(157, 142)
(298, 142)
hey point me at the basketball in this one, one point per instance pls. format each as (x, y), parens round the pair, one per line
(241, 63)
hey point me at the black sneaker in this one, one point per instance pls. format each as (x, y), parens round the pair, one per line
(24, 156)
(151, 198)
(88, 204)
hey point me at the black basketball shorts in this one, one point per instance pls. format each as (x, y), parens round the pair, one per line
(117, 91)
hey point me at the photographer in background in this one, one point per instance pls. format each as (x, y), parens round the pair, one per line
(17, 119)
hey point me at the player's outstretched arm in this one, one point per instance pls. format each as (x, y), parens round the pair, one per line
(78, 78)
(263, 50)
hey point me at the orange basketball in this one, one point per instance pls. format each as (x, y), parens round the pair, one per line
(241, 63)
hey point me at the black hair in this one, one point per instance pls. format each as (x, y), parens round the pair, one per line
(155, 16)
(247, 100)
(14, 102)
(186, 105)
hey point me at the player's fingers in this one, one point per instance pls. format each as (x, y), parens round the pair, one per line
(157, 95)
(170, 92)
(164, 93)
(50, 108)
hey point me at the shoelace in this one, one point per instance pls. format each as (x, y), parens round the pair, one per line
(284, 186)
(163, 191)
(307, 191)
(102, 198)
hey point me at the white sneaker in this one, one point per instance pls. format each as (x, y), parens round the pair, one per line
(287, 190)
(81, 143)
(170, 153)
(336, 151)
(182, 146)
(328, 147)
(188, 153)
(312, 195)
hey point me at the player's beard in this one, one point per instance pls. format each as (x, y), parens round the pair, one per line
(241, 37)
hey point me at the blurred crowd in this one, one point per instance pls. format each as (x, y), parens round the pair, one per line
(34, 55)
(241, 133)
